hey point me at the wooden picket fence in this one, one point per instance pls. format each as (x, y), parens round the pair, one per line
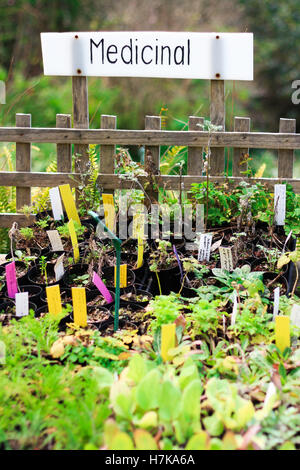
(108, 136)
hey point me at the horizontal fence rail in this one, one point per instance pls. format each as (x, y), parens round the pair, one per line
(195, 139)
(263, 140)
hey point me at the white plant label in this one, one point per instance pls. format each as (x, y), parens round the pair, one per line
(226, 258)
(227, 56)
(22, 304)
(234, 309)
(59, 268)
(279, 203)
(276, 302)
(295, 315)
(271, 390)
(204, 247)
(55, 240)
(56, 203)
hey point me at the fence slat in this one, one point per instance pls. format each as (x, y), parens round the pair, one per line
(217, 117)
(64, 151)
(80, 120)
(265, 140)
(6, 220)
(241, 124)
(107, 152)
(195, 161)
(26, 180)
(152, 152)
(286, 157)
(23, 162)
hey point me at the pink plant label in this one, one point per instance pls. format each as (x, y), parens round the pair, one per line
(11, 280)
(102, 288)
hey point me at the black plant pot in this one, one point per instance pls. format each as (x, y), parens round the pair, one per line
(169, 281)
(108, 274)
(131, 300)
(268, 276)
(35, 273)
(34, 294)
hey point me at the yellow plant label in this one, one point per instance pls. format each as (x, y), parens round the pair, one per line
(282, 332)
(74, 240)
(138, 225)
(123, 275)
(79, 306)
(109, 211)
(140, 252)
(54, 300)
(168, 335)
(69, 203)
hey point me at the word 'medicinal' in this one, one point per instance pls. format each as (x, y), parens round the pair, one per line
(132, 53)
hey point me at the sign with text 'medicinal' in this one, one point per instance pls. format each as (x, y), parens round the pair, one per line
(225, 56)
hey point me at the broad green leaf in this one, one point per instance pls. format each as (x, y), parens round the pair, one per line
(104, 378)
(121, 441)
(190, 402)
(110, 430)
(149, 420)
(187, 375)
(213, 425)
(149, 390)
(121, 399)
(143, 440)
(169, 405)
(137, 368)
(199, 441)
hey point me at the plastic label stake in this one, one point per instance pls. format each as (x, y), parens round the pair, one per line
(140, 259)
(79, 306)
(138, 225)
(117, 244)
(69, 203)
(295, 315)
(226, 258)
(56, 203)
(123, 275)
(109, 211)
(74, 240)
(59, 268)
(276, 302)
(22, 306)
(54, 300)
(279, 203)
(11, 280)
(102, 288)
(204, 247)
(168, 335)
(282, 332)
(55, 240)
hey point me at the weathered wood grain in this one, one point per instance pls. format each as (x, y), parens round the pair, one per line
(23, 162)
(217, 117)
(107, 152)
(80, 121)
(14, 178)
(263, 140)
(6, 220)
(64, 151)
(152, 155)
(285, 156)
(241, 124)
(195, 161)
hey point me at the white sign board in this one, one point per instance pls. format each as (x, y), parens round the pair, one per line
(225, 56)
